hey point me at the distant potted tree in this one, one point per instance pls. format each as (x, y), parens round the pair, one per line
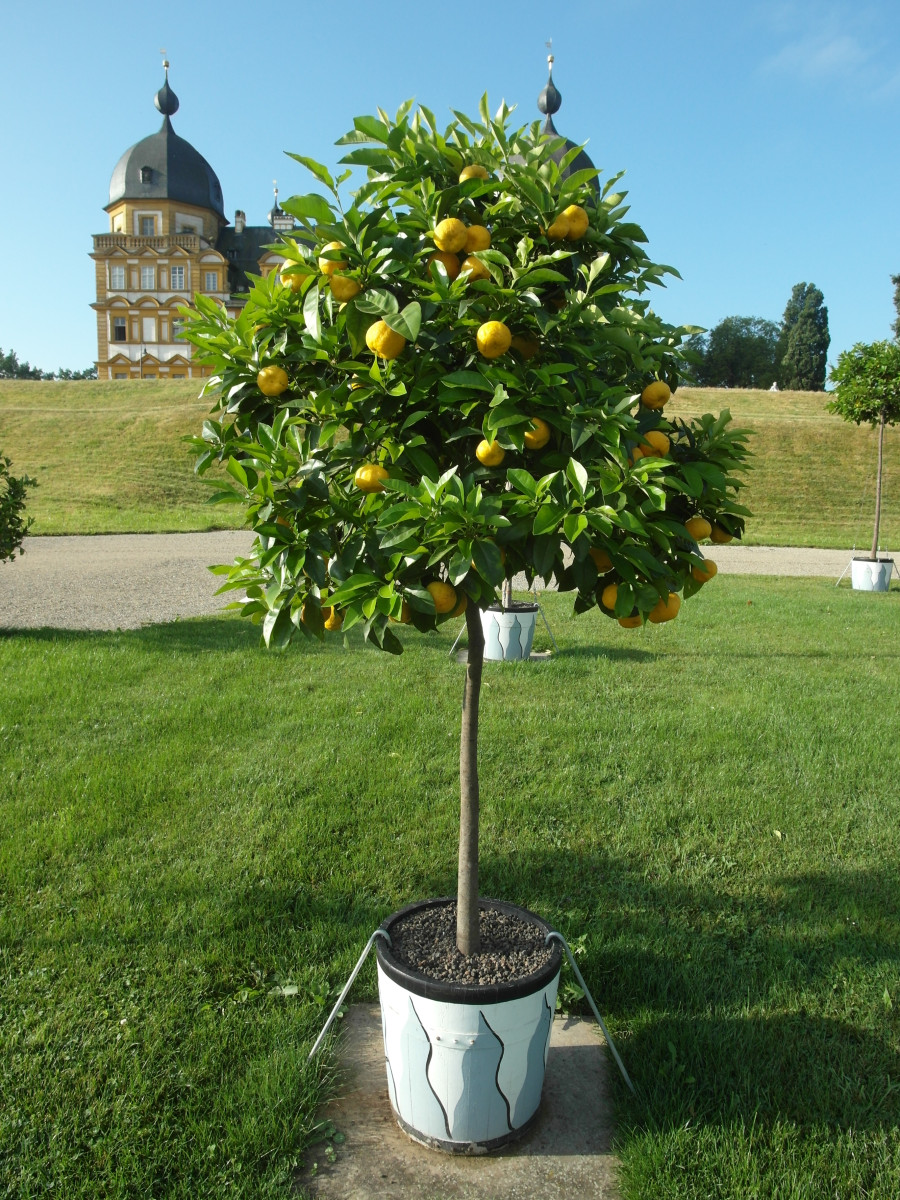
(867, 391)
(13, 522)
(455, 378)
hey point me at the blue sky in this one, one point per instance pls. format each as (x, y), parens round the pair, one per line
(759, 139)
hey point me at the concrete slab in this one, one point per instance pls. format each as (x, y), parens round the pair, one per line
(565, 1155)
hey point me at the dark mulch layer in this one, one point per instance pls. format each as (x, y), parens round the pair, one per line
(511, 947)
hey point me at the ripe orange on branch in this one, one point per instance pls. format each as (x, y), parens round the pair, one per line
(328, 266)
(578, 222)
(334, 620)
(537, 435)
(558, 230)
(720, 536)
(449, 262)
(656, 394)
(600, 559)
(272, 381)
(655, 443)
(474, 268)
(473, 171)
(698, 527)
(706, 572)
(665, 610)
(490, 454)
(450, 235)
(477, 238)
(343, 288)
(493, 339)
(383, 341)
(443, 595)
(368, 477)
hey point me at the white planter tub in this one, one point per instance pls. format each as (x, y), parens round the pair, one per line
(508, 632)
(871, 575)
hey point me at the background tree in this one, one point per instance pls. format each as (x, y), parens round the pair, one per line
(867, 380)
(444, 390)
(804, 340)
(11, 368)
(895, 327)
(13, 523)
(738, 352)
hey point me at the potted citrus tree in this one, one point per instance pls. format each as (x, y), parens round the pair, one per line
(867, 391)
(457, 377)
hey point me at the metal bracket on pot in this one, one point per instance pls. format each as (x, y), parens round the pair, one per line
(558, 937)
(383, 933)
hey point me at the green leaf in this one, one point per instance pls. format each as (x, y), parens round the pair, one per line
(577, 476)
(311, 313)
(523, 482)
(321, 173)
(236, 471)
(309, 208)
(378, 301)
(407, 323)
(468, 379)
(488, 560)
(548, 518)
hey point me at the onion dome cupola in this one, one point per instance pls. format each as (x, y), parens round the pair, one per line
(166, 167)
(549, 102)
(281, 221)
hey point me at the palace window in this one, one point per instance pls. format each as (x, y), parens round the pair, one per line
(148, 329)
(177, 328)
(117, 278)
(176, 275)
(120, 375)
(211, 281)
(148, 226)
(119, 333)
(148, 279)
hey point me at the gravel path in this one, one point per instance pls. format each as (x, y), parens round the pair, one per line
(123, 581)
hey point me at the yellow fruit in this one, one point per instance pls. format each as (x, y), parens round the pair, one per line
(461, 605)
(344, 289)
(526, 346)
(698, 527)
(538, 435)
(334, 620)
(656, 394)
(631, 622)
(473, 171)
(294, 282)
(493, 338)
(443, 595)
(450, 235)
(368, 477)
(272, 381)
(635, 454)
(706, 572)
(328, 266)
(384, 341)
(655, 444)
(559, 229)
(578, 222)
(720, 536)
(475, 269)
(477, 238)
(601, 559)
(665, 610)
(405, 615)
(450, 262)
(608, 595)
(490, 454)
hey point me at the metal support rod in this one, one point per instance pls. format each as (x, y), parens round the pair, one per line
(558, 937)
(348, 985)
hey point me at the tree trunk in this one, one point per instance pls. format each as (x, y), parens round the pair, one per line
(468, 934)
(506, 593)
(881, 423)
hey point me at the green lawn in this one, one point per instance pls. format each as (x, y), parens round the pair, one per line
(109, 459)
(188, 822)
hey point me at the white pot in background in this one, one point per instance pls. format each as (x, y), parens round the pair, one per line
(465, 1064)
(508, 632)
(871, 575)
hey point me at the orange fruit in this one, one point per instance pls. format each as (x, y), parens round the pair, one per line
(450, 262)
(368, 477)
(656, 394)
(601, 559)
(493, 339)
(526, 346)
(558, 229)
(609, 594)
(450, 234)
(578, 222)
(475, 269)
(698, 527)
(328, 266)
(294, 282)
(405, 615)
(538, 435)
(443, 595)
(665, 610)
(334, 620)
(473, 171)
(632, 622)
(656, 444)
(477, 238)
(489, 454)
(272, 381)
(383, 341)
(720, 536)
(344, 289)
(706, 572)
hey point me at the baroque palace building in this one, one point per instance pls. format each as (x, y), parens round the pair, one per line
(169, 240)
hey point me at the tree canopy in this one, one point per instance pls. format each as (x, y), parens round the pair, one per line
(867, 384)
(11, 368)
(738, 352)
(804, 340)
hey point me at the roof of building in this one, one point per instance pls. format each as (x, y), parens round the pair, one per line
(164, 166)
(243, 250)
(549, 102)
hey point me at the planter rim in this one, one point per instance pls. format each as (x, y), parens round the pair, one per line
(517, 606)
(868, 559)
(462, 993)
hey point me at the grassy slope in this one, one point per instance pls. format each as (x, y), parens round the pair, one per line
(229, 818)
(109, 460)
